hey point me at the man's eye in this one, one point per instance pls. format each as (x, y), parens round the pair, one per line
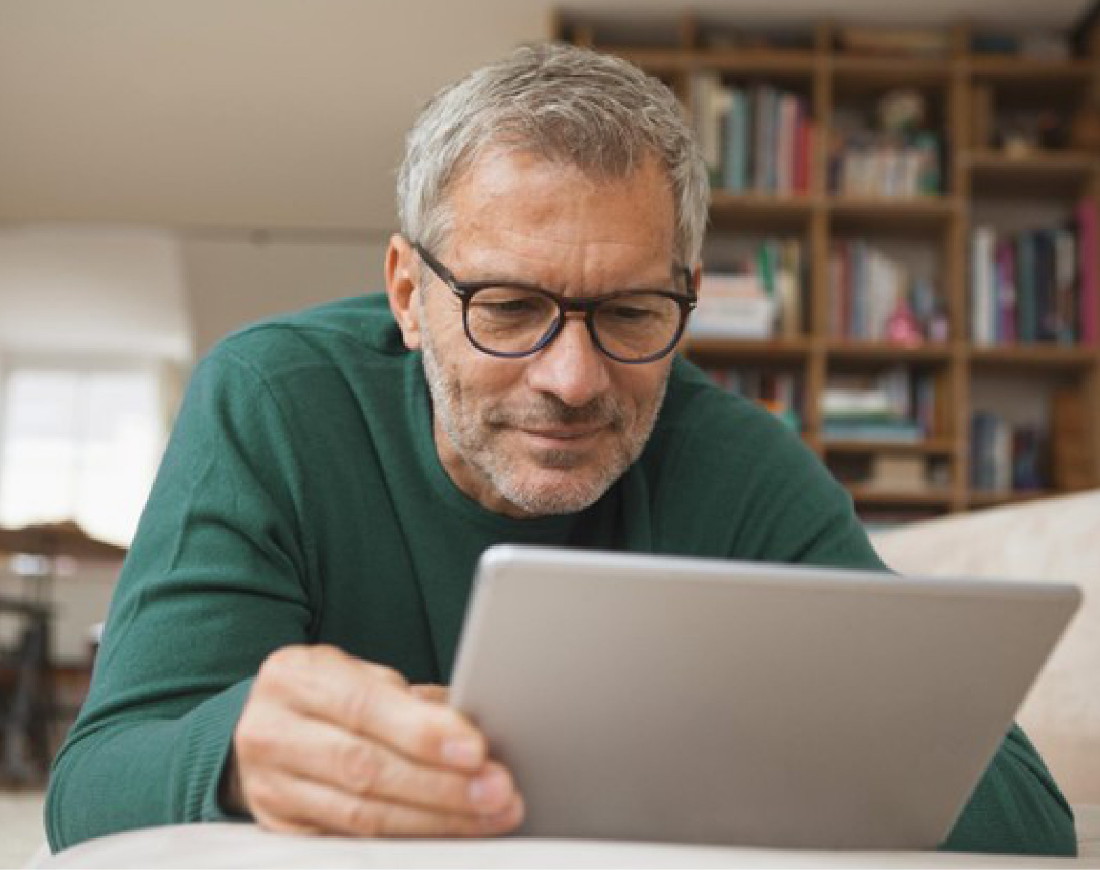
(629, 313)
(510, 307)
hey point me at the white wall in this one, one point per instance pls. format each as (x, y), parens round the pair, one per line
(232, 282)
(93, 290)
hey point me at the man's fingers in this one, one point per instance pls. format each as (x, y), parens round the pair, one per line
(431, 692)
(374, 701)
(310, 749)
(292, 804)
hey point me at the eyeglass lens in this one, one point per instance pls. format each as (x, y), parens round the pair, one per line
(630, 326)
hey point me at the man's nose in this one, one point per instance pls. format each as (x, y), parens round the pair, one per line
(571, 367)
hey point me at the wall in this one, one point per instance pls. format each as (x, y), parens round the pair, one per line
(233, 281)
(93, 289)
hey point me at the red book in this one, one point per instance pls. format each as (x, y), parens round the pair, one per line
(802, 155)
(1088, 252)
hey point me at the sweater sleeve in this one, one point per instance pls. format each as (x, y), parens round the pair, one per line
(217, 578)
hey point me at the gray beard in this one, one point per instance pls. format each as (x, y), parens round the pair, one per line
(497, 467)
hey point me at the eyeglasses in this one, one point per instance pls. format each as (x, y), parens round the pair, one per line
(516, 320)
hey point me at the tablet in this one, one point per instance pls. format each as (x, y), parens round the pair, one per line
(675, 699)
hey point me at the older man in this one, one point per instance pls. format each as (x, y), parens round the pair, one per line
(295, 591)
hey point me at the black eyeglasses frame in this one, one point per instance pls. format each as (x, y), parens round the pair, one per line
(465, 291)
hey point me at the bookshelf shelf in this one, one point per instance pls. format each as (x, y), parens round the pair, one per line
(848, 350)
(780, 65)
(1045, 174)
(778, 349)
(857, 73)
(1015, 70)
(876, 214)
(927, 447)
(1044, 163)
(1035, 356)
(766, 211)
(979, 498)
(982, 165)
(929, 498)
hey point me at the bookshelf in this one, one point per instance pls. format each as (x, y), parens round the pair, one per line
(990, 142)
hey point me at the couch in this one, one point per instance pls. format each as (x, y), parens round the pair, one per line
(1054, 539)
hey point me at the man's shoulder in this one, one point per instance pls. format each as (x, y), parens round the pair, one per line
(710, 430)
(694, 402)
(359, 330)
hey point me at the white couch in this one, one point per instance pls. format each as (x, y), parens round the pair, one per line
(1056, 539)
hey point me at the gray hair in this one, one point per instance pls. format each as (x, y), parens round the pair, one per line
(598, 113)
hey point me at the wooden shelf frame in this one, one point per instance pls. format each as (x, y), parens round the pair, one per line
(828, 77)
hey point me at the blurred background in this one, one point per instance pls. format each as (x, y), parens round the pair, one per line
(170, 171)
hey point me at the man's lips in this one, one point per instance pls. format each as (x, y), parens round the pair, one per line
(563, 435)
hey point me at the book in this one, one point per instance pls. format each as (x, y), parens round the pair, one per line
(981, 286)
(1031, 286)
(1006, 456)
(733, 305)
(1088, 253)
(895, 473)
(900, 431)
(756, 138)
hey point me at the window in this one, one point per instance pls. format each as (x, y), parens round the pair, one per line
(79, 443)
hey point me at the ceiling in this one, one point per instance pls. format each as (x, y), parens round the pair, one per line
(283, 114)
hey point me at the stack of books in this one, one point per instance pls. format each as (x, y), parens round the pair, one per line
(867, 288)
(1036, 286)
(759, 296)
(878, 165)
(1005, 456)
(890, 152)
(894, 405)
(754, 139)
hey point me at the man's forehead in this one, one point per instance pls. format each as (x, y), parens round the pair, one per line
(506, 194)
(504, 161)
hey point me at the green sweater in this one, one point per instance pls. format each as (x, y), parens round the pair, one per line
(301, 500)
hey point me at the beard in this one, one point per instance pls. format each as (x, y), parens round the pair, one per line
(546, 481)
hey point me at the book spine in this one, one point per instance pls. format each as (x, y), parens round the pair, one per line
(981, 286)
(1026, 302)
(1088, 250)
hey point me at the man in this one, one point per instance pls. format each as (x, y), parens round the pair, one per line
(295, 591)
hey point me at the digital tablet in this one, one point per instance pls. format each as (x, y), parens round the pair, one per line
(673, 699)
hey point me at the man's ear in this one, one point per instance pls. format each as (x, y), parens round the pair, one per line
(402, 272)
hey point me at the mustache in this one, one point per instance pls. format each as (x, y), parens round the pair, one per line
(552, 411)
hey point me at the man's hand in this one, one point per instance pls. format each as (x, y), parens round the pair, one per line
(331, 744)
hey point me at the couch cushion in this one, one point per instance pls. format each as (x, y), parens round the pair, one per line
(1055, 539)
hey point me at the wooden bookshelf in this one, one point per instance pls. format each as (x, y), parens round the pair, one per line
(977, 178)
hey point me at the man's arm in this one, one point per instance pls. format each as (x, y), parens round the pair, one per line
(219, 581)
(1016, 807)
